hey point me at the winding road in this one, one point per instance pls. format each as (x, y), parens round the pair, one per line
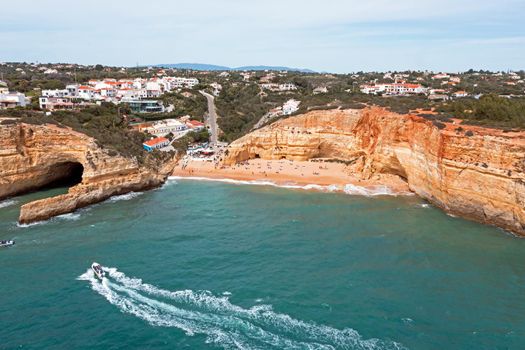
(212, 117)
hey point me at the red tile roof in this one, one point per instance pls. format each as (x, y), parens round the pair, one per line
(194, 123)
(156, 141)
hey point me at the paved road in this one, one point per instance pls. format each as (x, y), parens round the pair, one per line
(212, 117)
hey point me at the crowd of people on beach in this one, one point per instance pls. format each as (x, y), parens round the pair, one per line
(253, 167)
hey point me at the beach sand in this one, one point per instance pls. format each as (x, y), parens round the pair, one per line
(290, 173)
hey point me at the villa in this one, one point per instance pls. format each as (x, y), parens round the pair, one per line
(53, 103)
(394, 89)
(144, 106)
(195, 125)
(279, 87)
(165, 127)
(156, 143)
(13, 99)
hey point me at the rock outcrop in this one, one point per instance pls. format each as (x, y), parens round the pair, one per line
(32, 156)
(473, 172)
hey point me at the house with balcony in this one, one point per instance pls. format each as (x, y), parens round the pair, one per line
(144, 106)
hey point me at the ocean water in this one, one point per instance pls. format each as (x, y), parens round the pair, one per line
(207, 265)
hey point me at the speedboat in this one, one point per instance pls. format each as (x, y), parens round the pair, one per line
(6, 243)
(97, 269)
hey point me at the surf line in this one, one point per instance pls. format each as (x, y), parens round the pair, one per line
(378, 190)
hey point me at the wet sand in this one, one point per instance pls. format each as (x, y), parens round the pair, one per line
(286, 173)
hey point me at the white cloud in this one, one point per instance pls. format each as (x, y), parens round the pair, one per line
(325, 35)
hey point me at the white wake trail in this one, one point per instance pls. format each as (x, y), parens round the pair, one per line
(225, 324)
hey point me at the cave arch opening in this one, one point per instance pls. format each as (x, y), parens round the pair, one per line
(64, 174)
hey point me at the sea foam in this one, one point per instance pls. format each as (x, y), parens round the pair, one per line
(124, 197)
(8, 203)
(348, 189)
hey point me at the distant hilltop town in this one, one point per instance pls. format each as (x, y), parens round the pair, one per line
(136, 93)
(447, 85)
(164, 102)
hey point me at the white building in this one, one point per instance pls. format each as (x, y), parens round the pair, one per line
(166, 126)
(320, 90)
(441, 76)
(460, 94)
(131, 94)
(195, 125)
(279, 87)
(291, 106)
(87, 93)
(157, 143)
(69, 91)
(117, 91)
(270, 86)
(153, 89)
(52, 103)
(3, 88)
(217, 88)
(394, 89)
(179, 82)
(13, 99)
(246, 76)
(287, 87)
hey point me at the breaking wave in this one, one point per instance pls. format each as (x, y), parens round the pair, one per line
(70, 216)
(348, 189)
(368, 191)
(223, 323)
(7, 203)
(31, 224)
(74, 216)
(124, 197)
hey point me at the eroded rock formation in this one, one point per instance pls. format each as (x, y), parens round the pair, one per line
(474, 172)
(32, 156)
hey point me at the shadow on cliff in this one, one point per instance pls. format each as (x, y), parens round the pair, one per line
(61, 175)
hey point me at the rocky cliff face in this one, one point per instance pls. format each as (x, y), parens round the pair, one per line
(32, 156)
(474, 172)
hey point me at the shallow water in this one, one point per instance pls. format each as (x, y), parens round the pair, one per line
(204, 265)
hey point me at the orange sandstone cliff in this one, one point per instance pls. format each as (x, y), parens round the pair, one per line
(32, 156)
(479, 174)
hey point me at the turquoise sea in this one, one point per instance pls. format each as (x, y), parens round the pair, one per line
(207, 265)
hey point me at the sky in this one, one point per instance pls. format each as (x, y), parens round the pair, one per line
(338, 36)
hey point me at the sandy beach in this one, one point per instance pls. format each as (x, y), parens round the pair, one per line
(293, 173)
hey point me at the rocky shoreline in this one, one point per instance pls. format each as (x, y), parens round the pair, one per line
(473, 172)
(32, 156)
